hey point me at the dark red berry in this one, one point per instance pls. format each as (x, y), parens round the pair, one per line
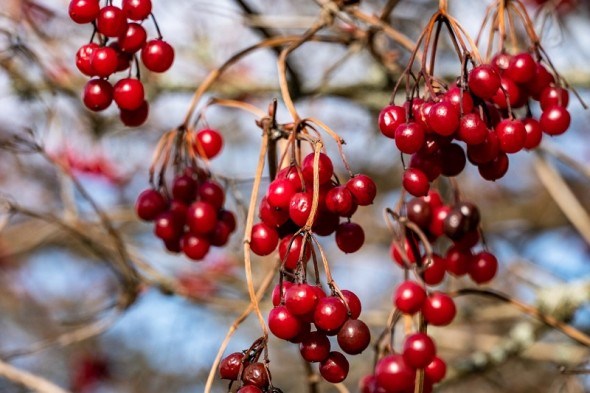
(136, 117)
(458, 261)
(325, 168)
(314, 347)
(396, 254)
(483, 267)
(452, 159)
(349, 237)
(157, 55)
(330, 314)
(283, 324)
(194, 246)
(436, 370)
(97, 95)
(137, 9)
(409, 137)
(123, 58)
(111, 21)
(184, 188)
(534, 133)
(439, 309)
(353, 303)
(229, 368)
(443, 118)
(390, 118)
(555, 120)
(419, 212)
(419, 350)
(484, 152)
(220, 234)
(84, 59)
(133, 39)
(84, 11)
(484, 81)
(211, 192)
(255, 374)
(128, 94)
(264, 239)
(415, 182)
(472, 129)
(554, 96)
(150, 203)
(210, 141)
(495, 169)
(335, 368)
(228, 218)
(325, 223)
(409, 297)
(394, 375)
(104, 61)
(354, 337)
(363, 189)
(522, 68)
(167, 226)
(201, 217)
(539, 82)
(249, 389)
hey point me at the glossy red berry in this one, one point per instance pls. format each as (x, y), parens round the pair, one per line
(390, 118)
(394, 375)
(435, 270)
(264, 239)
(350, 237)
(539, 82)
(484, 152)
(136, 117)
(325, 168)
(439, 309)
(314, 347)
(415, 182)
(436, 370)
(84, 11)
(363, 189)
(462, 101)
(276, 292)
(512, 135)
(330, 314)
(484, 81)
(300, 208)
(409, 137)
(229, 368)
(419, 350)
(150, 203)
(335, 368)
(534, 133)
(97, 95)
(84, 59)
(339, 200)
(157, 55)
(137, 9)
(554, 96)
(211, 192)
(111, 21)
(201, 217)
(290, 256)
(522, 68)
(495, 169)
(167, 226)
(443, 118)
(301, 299)
(483, 267)
(472, 129)
(419, 212)
(409, 297)
(555, 120)
(133, 39)
(104, 61)
(354, 337)
(353, 303)
(283, 324)
(210, 141)
(184, 189)
(194, 246)
(129, 94)
(396, 255)
(458, 261)
(509, 94)
(279, 194)
(439, 216)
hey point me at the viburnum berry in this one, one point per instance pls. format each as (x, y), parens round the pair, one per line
(280, 192)
(483, 267)
(149, 204)
(219, 236)
(458, 261)
(136, 117)
(509, 93)
(211, 192)
(354, 337)
(133, 39)
(522, 68)
(452, 159)
(210, 141)
(461, 100)
(436, 370)
(255, 374)
(270, 216)
(539, 82)
(276, 292)
(167, 226)
(325, 168)
(264, 239)
(129, 94)
(229, 367)
(325, 223)
(555, 120)
(435, 270)
(554, 96)
(415, 182)
(228, 218)
(201, 217)
(84, 59)
(300, 208)
(511, 135)
(290, 256)
(123, 58)
(409, 137)
(157, 55)
(455, 225)
(137, 9)
(495, 169)
(84, 11)
(339, 200)
(439, 309)
(396, 254)
(194, 246)
(393, 374)
(363, 189)
(484, 81)
(443, 118)
(390, 118)
(249, 389)
(534, 133)
(501, 61)
(472, 129)
(419, 350)
(436, 226)
(409, 297)
(111, 21)
(301, 299)
(353, 303)
(349, 237)
(334, 368)
(314, 347)
(283, 324)
(330, 314)
(104, 61)
(419, 212)
(486, 151)
(98, 94)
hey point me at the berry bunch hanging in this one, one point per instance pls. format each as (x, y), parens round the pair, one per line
(120, 37)
(189, 216)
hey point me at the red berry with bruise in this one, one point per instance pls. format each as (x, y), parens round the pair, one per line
(419, 350)
(283, 324)
(483, 267)
(229, 368)
(157, 55)
(443, 118)
(339, 200)
(435, 270)
(409, 297)
(97, 95)
(512, 135)
(439, 309)
(314, 347)
(255, 374)
(301, 299)
(436, 370)
(210, 141)
(330, 314)
(363, 189)
(129, 94)
(484, 81)
(353, 303)
(300, 207)
(409, 137)
(84, 11)
(104, 61)
(149, 204)
(290, 256)
(111, 21)
(394, 375)
(522, 68)
(554, 96)
(137, 9)
(354, 337)
(84, 59)
(133, 39)
(349, 237)
(211, 192)
(325, 168)
(472, 129)
(555, 120)
(415, 182)
(194, 246)
(390, 118)
(335, 368)
(136, 117)
(495, 169)
(264, 239)
(279, 194)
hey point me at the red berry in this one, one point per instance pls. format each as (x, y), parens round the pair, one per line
(84, 11)
(293, 174)
(435, 270)
(354, 337)
(227, 217)
(157, 55)
(325, 168)
(98, 94)
(522, 68)
(539, 82)
(330, 314)
(270, 216)
(534, 134)
(136, 117)
(276, 292)
(335, 368)
(436, 370)
(325, 223)
(462, 101)
(123, 58)
(512, 135)
(501, 61)
(419, 350)
(283, 324)
(484, 152)
(415, 182)
(436, 227)
(301, 299)
(255, 374)
(419, 212)
(264, 239)
(300, 207)
(472, 129)
(394, 375)
(129, 94)
(137, 9)
(290, 256)
(349, 237)
(104, 61)
(396, 255)
(111, 21)
(554, 96)
(279, 194)
(167, 226)
(339, 200)
(314, 347)
(484, 81)
(133, 39)
(443, 118)
(194, 246)
(210, 141)
(555, 120)
(249, 389)
(353, 303)
(409, 297)
(458, 261)
(452, 159)
(363, 189)
(211, 192)
(439, 309)
(84, 59)
(409, 137)
(509, 93)
(150, 203)
(483, 267)
(220, 234)
(229, 367)
(201, 218)
(184, 189)
(390, 118)
(494, 169)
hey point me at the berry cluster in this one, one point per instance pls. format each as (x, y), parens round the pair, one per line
(288, 203)
(480, 112)
(103, 59)
(298, 305)
(193, 218)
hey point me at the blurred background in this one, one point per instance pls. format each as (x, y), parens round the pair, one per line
(51, 283)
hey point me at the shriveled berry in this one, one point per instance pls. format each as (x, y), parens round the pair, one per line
(229, 368)
(255, 374)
